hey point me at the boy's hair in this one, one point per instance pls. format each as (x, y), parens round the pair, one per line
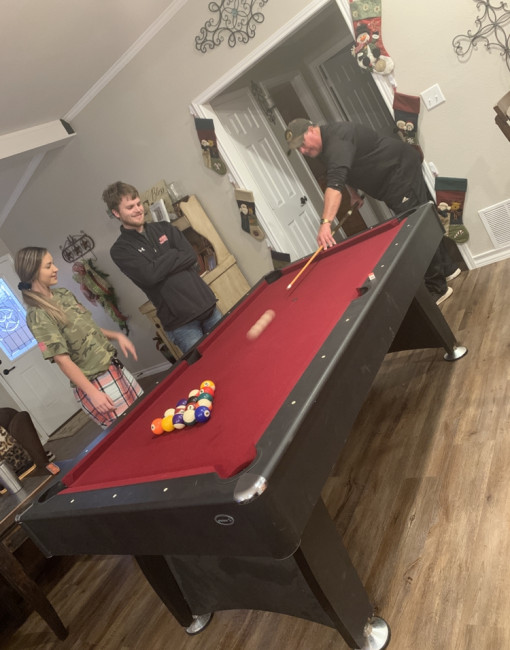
(115, 192)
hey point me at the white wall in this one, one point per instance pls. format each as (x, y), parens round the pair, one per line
(139, 129)
(459, 136)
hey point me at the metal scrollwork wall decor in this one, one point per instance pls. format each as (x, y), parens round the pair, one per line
(236, 21)
(77, 246)
(492, 31)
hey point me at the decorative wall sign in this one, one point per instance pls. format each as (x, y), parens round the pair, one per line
(236, 21)
(77, 246)
(492, 32)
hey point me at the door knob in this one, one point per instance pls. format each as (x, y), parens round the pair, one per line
(303, 200)
(8, 370)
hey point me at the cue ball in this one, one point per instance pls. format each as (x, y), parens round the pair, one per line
(257, 328)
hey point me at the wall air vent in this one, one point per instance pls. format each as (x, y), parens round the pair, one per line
(496, 219)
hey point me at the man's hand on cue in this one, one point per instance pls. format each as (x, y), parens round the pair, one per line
(324, 237)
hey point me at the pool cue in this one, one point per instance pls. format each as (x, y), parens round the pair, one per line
(339, 225)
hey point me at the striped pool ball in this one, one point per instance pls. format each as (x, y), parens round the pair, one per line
(194, 393)
(178, 421)
(169, 413)
(189, 417)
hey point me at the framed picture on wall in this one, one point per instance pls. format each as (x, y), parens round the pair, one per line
(159, 211)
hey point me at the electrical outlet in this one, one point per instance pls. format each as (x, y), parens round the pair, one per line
(432, 97)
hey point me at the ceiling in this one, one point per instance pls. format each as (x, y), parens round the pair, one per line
(56, 56)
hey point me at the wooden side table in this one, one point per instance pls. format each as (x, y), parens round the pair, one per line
(11, 538)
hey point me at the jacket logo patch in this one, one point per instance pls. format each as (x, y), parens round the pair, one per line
(163, 239)
(141, 249)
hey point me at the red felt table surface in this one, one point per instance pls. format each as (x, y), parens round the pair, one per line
(253, 378)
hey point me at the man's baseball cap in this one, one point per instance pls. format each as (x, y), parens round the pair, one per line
(295, 132)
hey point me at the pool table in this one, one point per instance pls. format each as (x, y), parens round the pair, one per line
(228, 514)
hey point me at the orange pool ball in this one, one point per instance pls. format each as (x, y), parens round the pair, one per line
(156, 426)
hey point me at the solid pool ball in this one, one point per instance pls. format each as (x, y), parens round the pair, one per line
(208, 390)
(208, 383)
(189, 417)
(202, 414)
(178, 421)
(192, 400)
(167, 423)
(156, 427)
(169, 413)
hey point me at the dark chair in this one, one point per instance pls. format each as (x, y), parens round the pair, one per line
(29, 451)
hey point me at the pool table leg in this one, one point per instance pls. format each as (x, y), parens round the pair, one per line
(327, 567)
(424, 326)
(155, 568)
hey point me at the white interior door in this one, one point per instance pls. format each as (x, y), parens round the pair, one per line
(284, 210)
(36, 385)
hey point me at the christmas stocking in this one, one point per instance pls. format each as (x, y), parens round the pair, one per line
(450, 196)
(406, 109)
(369, 50)
(208, 142)
(249, 221)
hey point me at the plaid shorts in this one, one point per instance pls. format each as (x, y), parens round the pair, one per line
(120, 385)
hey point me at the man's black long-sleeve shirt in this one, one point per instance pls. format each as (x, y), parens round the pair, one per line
(163, 264)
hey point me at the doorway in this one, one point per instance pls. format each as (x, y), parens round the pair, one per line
(324, 26)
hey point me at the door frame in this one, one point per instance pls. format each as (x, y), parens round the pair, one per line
(201, 107)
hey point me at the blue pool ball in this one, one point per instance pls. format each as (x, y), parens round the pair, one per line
(202, 414)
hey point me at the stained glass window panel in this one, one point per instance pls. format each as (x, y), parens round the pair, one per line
(15, 337)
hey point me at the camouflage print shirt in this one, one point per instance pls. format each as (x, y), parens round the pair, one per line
(81, 338)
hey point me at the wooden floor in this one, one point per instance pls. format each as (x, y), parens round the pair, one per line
(421, 496)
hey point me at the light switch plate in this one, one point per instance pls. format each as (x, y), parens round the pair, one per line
(432, 97)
